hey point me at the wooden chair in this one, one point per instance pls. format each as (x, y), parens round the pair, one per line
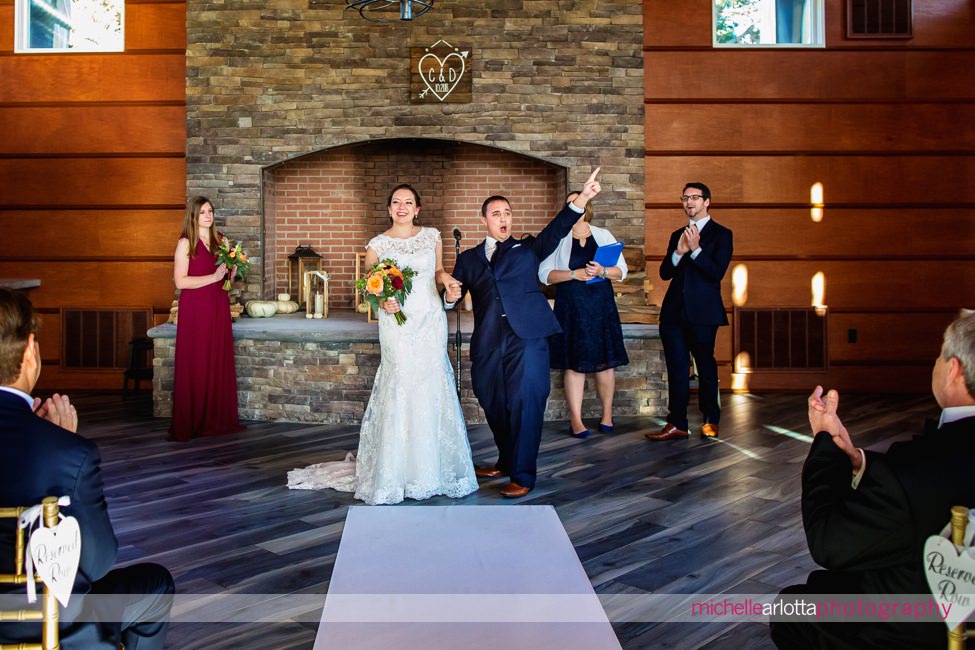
(139, 366)
(959, 521)
(48, 614)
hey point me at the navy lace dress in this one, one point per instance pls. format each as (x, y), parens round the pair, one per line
(592, 338)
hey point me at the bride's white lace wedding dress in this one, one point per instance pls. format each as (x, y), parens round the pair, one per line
(413, 441)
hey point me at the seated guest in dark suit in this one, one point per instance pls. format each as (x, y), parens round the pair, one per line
(868, 514)
(42, 456)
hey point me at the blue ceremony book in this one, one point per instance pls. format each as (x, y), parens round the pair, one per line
(608, 256)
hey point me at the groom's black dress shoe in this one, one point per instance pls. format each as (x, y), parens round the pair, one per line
(513, 490)
(487, 472)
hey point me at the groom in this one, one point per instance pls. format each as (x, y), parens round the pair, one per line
(512, 320)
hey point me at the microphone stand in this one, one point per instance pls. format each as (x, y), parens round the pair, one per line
(457, 335)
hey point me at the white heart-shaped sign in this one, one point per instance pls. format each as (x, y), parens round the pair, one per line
(951, 578)
(56, 553)
(440, 80)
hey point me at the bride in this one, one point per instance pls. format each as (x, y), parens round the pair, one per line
(413, 440)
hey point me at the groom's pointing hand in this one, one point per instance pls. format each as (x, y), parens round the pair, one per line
(590, 189)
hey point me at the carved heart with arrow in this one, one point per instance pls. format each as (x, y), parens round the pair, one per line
(441, 75)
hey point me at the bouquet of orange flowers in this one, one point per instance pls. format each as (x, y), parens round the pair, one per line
(230, 254)
(384, 281)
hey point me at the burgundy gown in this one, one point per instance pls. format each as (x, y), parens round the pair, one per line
(205, 382)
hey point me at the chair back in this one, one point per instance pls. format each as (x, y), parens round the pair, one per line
(959, 521)
(48, 614)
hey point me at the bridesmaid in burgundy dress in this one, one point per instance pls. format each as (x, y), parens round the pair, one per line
(205, 383)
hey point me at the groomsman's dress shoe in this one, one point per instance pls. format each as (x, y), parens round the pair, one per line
(513, 490)
(669, 432)
(487, 472)
(709, 430)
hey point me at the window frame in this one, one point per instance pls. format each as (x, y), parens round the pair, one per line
(22, 33)
(818, 29)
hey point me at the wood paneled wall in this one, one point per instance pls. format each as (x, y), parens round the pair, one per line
(887, 127)
(92, 157)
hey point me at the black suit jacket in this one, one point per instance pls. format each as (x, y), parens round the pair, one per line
(873, 537)
(40, 459)
(510, 285)
(695, 288)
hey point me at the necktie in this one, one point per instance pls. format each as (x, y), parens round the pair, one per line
(489, 249)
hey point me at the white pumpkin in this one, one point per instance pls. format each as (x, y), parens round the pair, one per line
(286, 306)
(261, 308)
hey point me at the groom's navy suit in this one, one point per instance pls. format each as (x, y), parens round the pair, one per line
(509, 346)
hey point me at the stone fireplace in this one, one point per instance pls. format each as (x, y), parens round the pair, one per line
(300, 118)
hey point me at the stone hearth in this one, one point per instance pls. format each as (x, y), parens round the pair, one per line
(293, 369)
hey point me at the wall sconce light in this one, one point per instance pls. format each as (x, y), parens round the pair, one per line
(382, 11)
(818, 287)
(816, 201)
(739, 285)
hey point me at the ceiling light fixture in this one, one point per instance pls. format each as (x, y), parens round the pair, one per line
(384, 11)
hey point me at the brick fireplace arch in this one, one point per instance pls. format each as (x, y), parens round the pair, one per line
(335, 200)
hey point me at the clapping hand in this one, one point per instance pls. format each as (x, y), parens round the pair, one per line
(58, 410)
(689, 240)
(823, 417)
(693, 236)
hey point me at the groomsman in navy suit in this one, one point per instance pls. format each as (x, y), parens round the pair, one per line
(697, 258)
(512, 322)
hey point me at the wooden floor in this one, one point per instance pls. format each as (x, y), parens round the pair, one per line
(690, 516)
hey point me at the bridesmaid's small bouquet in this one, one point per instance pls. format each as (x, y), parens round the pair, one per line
(384, 281)
(230, 254)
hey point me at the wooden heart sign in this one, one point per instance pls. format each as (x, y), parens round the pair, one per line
(56, 553)
(440, 74)
(951, 578)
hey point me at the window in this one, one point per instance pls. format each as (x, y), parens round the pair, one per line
(70, 25)
(768, 23)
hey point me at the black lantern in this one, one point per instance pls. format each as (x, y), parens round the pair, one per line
(302, 260)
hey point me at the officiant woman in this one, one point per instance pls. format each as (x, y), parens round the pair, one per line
(205, 380)
(591, 341)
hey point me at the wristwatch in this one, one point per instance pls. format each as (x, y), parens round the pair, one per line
(605, 272)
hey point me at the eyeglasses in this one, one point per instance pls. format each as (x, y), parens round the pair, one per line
(690, 197)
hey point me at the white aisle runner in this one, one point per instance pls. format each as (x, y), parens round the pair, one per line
(431, 577)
